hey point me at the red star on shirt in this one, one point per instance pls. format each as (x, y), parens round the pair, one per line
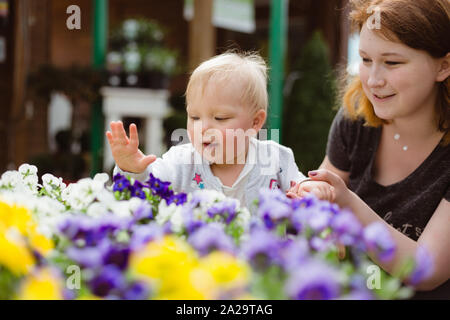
(197, 178)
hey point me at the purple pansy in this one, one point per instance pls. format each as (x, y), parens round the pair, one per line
(293, 253)
(143, 211)
(424, 265)
(121, 183)
(320, 244)
(262, 248)
(159, 188)
(346, 227)
(88, 257)
(109, 281)
(136, 291)
(117, 254)
(226, 209)
(102, 254)
(315, 280)
(378, 239)
(137, 190)
(142, 234)
(91, 230)
(274, 212)
(211, 237)
(190, 222)
(179, 199)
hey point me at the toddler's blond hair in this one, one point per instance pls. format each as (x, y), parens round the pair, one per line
(247, 69)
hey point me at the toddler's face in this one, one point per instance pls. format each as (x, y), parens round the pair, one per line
(219, 124)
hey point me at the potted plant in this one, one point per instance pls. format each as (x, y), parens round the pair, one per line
(138, 57)
(160, 63)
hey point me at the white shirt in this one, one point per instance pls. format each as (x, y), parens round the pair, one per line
(268, 165)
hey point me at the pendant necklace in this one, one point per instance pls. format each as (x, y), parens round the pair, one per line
(397, 137)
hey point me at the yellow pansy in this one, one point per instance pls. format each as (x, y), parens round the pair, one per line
(43, 285)
(14, 216)
(40, 243)
(14, 254)
(19, 218)
(160, 258)
(225, 270)
(167, 264)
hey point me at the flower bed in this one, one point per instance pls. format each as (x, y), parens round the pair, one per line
(133, 240)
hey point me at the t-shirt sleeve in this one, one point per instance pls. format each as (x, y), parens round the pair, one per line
(338, 144)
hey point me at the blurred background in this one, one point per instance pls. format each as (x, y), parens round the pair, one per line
(68, 67)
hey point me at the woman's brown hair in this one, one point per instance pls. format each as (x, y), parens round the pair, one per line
(419, 24)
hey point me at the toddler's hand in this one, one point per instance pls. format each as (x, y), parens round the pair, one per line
(125, 151)
(320, 189)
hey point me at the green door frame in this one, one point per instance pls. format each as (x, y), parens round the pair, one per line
(99, 47)
(277, 53)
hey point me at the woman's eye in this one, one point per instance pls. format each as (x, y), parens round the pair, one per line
(392, 63)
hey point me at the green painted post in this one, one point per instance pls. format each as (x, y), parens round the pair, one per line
(99, 46)
(277, 53)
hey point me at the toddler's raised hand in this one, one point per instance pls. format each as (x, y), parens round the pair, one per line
(125, 150)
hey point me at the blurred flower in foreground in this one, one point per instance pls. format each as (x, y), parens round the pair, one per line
(167, 264)
(211, 237)
(222, 275)
(378, 239)
(423, 266)
(20, 240)
(315, 280)
(43, 284)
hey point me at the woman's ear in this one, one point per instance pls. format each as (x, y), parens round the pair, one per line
(444, 68)
(259, 119)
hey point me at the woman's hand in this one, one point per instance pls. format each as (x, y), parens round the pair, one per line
(341, 192)
(125, 151)
(322, 190)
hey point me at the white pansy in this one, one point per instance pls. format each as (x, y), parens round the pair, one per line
(28, 170)
(97, 209)
(125, 208)
(172, 213)
(135, 203)
(121, 208)
(176, 221)
(51, 182)
(65, 194)
(105, 196)
(164, 213)
(11, 179)
(101, 177)
(243, 218)
(79, 195)
(53, 185)
(31, 182)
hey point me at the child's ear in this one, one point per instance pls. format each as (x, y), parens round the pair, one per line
(258, 119)
(444, 68)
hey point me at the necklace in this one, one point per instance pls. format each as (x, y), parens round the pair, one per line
(397, 137)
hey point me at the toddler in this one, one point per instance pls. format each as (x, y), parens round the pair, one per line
(226, 100)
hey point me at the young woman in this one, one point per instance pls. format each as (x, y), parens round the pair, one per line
(388, 153)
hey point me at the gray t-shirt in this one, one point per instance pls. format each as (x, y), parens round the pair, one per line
(406, 205)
